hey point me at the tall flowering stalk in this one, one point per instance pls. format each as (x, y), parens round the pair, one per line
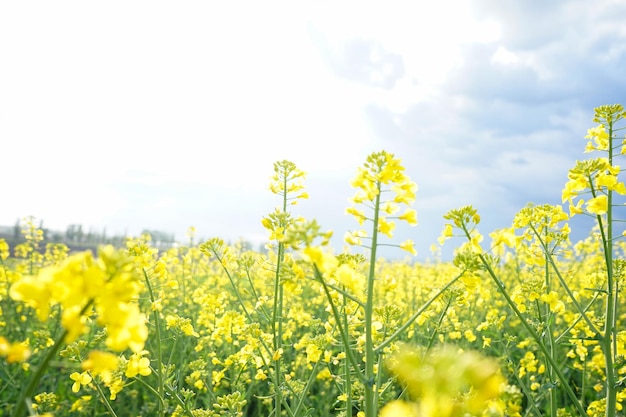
(465, 221)
(382, 187)
(286, 183)
(598, 178)
(384, 195)
(590, 191)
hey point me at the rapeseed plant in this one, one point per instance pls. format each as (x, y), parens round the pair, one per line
(82, 287)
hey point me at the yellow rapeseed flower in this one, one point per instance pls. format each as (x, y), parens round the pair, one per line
(80, 379)
(598, 205)
(599, 139)
(14, 352)
(405, 191)
(383, 172)
(359, 215)
(74, 322)
(4, 250)
(313, 353)
(324, 374)
(138, 365)
(386, 227)
(348, 277)
(324, 261)
(446, 233)
(409, 216)
(389, 208)
(101, 364)
(399, 408)
(408, 246)
(438, 379)
(81, 403)
(35, 292)
(552, 299)
(354, 238)
(503, 237)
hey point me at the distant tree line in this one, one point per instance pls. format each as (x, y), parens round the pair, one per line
(76, 237)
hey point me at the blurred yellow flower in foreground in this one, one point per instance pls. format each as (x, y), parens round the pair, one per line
(447, 382)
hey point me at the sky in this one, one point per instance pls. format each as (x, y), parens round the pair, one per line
(135, 115)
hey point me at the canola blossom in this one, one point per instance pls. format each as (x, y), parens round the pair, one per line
(522, 321)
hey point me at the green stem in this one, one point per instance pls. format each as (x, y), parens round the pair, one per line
(546, 315)
(145, 384)
(30, 388)
(178, 400)
(160, 367)
(415, 315)
(232, 283)
(609, 341)
(431, 340)
(370, 354)
(537, 338)
(104, 399)
(277, 331)
(570, 294)
(305, 391)
(277, 315)
(531, 402)
(343, 330)
(347, 374)
(172, 392)
(346, 295)
(529, 328)
(256, 297)
(578, 319)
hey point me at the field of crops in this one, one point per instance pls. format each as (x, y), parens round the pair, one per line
(523, 322)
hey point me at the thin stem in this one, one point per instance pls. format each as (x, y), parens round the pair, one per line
(563, 282)
(30, 388)
(415, 315)
(160, 367)
(104, 399)
(347, 375)
(609, 342)
(145, 384)
(343, 331)
(568, 390)
(346, 295)
(548, 333)
(277, 315)
(370, 355)
(306, 389)
(527, 326)
(232, 283)
(277, 330)
(431, 340)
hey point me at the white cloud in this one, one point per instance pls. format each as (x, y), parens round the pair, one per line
(504, 56)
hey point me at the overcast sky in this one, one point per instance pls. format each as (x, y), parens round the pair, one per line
(135, 115)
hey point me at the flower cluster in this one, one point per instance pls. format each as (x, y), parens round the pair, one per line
(445, 383)
(597, 176)
(382, 189)
(82, 284)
